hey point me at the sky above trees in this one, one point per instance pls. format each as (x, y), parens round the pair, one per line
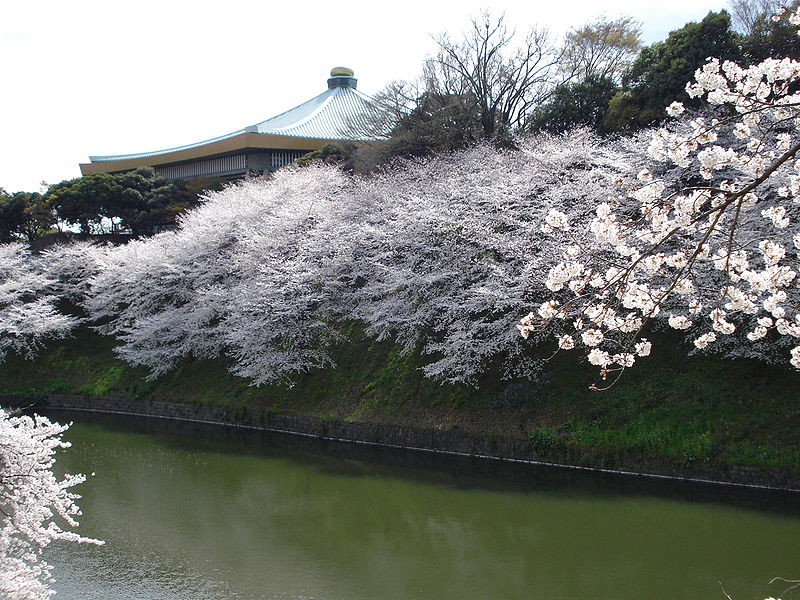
(93, 77)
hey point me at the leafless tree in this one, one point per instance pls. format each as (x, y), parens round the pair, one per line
(746, 13)
(602, 48)
(505, 78)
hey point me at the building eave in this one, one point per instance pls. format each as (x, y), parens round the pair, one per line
(236, 143)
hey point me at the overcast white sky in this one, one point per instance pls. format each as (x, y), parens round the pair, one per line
(105, 77)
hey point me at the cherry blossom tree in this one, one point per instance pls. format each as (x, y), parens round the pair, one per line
(28, 311)
(283, 309)
(708, 241)
(441, 255)
(434, 254)
(35, 506)
(243, 277)
(452, 252)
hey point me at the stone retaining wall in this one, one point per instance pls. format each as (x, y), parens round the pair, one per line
(430, 440)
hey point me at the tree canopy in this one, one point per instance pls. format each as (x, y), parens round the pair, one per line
(24, 215)
(601, 49)
(505, 78)
(138, 201)
(579, 104)
(659, 74)
(769, 38)
(438, 123)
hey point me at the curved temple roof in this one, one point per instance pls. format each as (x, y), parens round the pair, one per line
(339, 113)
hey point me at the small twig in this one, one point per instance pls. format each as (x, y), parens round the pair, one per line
(796, 583)
(723, 591)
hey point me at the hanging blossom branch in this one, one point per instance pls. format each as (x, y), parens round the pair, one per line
(710, 255)
(32, 504)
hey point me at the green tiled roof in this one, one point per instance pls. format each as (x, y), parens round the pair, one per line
(339, 113)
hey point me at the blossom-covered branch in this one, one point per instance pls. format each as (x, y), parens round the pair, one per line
(710, 243)
(34, 504)
(28, 298)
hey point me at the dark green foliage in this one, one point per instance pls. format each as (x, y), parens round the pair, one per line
(575, 105)
(82, 201)
(625, 113)
(769, 39)
(24, 215)
(148, 202)
(139, 202)
(659, 75)
(334, 153)
(352, 157)
(664, 68)
(544, 440)
(439, 123)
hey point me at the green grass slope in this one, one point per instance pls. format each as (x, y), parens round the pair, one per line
(669, 407)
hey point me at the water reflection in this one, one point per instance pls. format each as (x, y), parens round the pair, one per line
(196, 511)
(353, 460)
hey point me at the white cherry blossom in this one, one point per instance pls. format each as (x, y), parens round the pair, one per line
(37, 507)
(723, 250)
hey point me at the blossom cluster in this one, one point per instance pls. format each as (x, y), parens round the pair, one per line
(29, 291)
(35, 504)
(434, 255)
(696, 227)
(711, 250)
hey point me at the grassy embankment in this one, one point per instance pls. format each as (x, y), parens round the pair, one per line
(669, 407)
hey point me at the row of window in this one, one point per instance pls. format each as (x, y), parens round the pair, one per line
(226, 165)
(281, 158)
(208, 167)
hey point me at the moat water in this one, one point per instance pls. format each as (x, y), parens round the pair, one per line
(193, 512)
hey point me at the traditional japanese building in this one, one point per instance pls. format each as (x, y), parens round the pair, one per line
(338, 114)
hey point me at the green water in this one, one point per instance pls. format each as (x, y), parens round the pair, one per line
(204, 513)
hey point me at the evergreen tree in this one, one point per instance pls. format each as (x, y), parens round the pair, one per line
(574, 105)
(658, 76)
